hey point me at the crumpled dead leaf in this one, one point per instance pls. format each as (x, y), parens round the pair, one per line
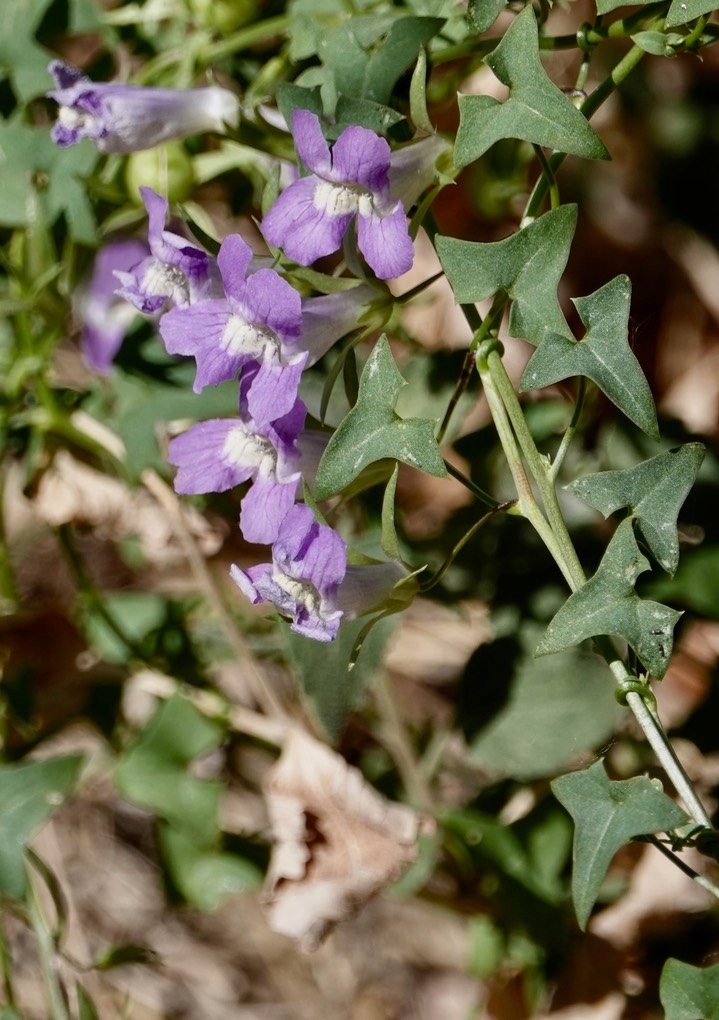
(337, 841)
(71, 492)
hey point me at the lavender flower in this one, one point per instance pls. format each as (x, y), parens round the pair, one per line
(176, 270)
(259, 320)
(126, 118)
(308, 564)
(105, 318)
(217, 455)
(310, 217)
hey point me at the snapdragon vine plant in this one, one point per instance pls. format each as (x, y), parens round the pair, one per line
(297, 344)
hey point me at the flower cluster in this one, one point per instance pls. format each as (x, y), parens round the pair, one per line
(236, 316)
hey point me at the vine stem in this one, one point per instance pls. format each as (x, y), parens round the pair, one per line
(46, 948)
(505, 407)
(683, 866)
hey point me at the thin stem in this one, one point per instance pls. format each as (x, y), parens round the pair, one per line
(246, 37)
(554, 196)
(6, 966)
(46, 948)
(683, 866)
(8, 588)
(590, 105)
(436, 578)
(473, 488)
(400, 747)
(462, 384)
(570, 431)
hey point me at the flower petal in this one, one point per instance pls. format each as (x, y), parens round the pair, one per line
(297, 225)
(233, 260)
(310, 143)
(385, 243)
(362, 157)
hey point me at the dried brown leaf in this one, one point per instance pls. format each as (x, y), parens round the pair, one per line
(337, 841)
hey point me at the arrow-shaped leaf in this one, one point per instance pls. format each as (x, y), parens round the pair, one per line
(374, 431)
(608, 604)
(689, 993)
(527, 266)
(604, 355)
(536, 111)
(683, 11)
(607, 814)
(654, 491)
(29, 793)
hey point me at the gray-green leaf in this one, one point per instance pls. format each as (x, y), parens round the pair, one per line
(373, 431)
(527, 266)
(689, 993)
(536, 111)
(29, 794)
(608, 604)
(603, 355)
(607, 815)
(654, 492)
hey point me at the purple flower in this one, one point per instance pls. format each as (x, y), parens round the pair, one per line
(176, 270)
(217, 455)
(328, 317)
(104, 316)
(126, 118)
(310, 217)
(309, 561)
(259, 320)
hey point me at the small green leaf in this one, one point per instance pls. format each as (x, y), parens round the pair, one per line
(397, 53)
(418, 95)
(482, 14)
(527, 266)
(603, 355)
(85, 1006)
(608, 604)
(660, 44)
(390, 542)
(29, 794)
(206, 876)
(154, 772)
(689, 993)
(537, 110)
(373, 431)
(39, 180)
(683, 11)
(607, 815)
(654, 491)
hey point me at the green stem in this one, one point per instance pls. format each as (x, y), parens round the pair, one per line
(505, 408)
(245, 38)
(570, 431)
(475, 489)
(683, 866)
(459, 389)
(6, 966)
(554, 197)
(437, 577)
(8, 588)
(46, 948)
(590, 105)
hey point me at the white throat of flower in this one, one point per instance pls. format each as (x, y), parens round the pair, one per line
(242, 337)
(247, 448)
(75, 119)
(304, 593)
(160, 279)
(345, 200)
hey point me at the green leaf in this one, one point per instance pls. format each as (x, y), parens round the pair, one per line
(603, 355)
(372, 430)
(537, 110)
(206, 877)
(85, 1006)
(654, 491)
(39, 180)
(397, 53)
(607, 814)
(29, 794)
(136, 613)
(482, 14)
(565, 718)
(660, 44)
(605, 6)
(155, 773)
(689, 993)
(527, 266)
(683, 11)
(390, 542)
(608, 604)
(329, 688)
(22, 59)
